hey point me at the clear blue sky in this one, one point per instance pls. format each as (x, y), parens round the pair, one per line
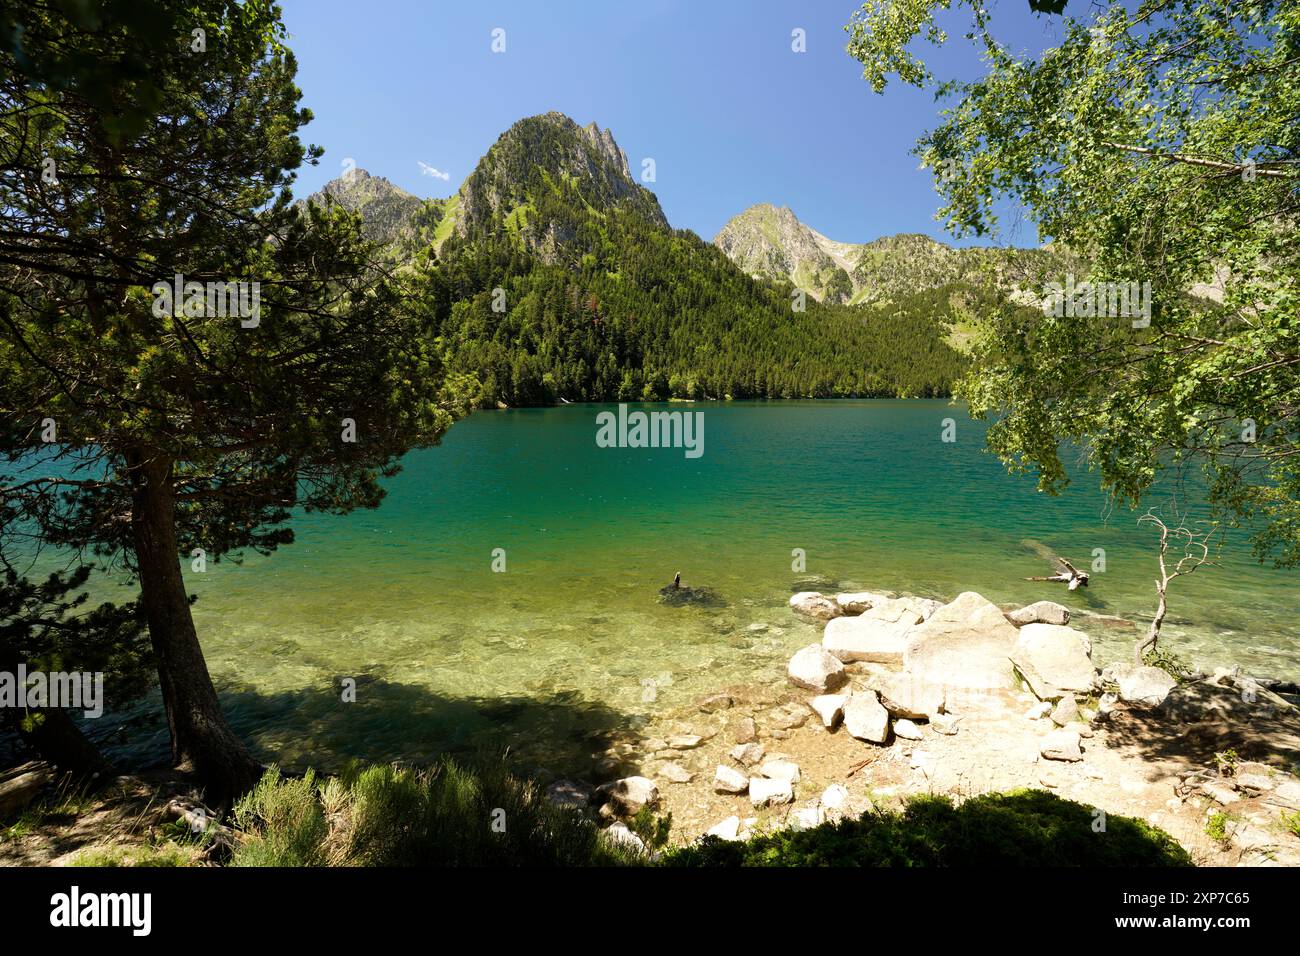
(710, 89)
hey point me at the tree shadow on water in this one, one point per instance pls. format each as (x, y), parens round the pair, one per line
(561, 734)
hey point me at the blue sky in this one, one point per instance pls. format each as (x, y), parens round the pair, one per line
(710, 89)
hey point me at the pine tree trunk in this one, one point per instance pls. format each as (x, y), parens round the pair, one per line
(201, 738)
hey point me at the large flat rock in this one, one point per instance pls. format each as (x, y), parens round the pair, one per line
(967, 643)
(1054, 659)
(867, 638)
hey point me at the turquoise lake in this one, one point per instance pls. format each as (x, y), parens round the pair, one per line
(571, 643)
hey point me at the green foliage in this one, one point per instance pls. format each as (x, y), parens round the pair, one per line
(1169, 662)
(1291, 822)
(605, 302)
(1019, 828)
(1225, 762)
(1216, 827)
(446, 816)
(652, 828)
(1159, 141)
(165, 855)
(177, 428)
(47, 626)
(289, 821)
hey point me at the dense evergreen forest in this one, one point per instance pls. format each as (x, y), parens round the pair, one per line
(602, 300)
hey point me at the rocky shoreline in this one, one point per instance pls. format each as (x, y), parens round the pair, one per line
(907, 695)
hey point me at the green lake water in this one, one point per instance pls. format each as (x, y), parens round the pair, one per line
(570, 644)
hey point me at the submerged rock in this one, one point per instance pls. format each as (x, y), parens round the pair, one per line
(675, 773)
(570, 794)
(814, 604)
(1040, 612)
(677, 596)
(747, 754)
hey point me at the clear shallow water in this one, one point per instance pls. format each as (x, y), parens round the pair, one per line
(569, 648)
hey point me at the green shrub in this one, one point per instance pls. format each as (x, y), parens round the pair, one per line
(1019, 828)
(448, 815)
(168, 854)
(652, 828)
(286, 817)
(1216, 827)
(1291, 822)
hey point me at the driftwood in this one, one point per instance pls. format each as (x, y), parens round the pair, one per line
(1071, 576)
(222, 840)
(20, 785)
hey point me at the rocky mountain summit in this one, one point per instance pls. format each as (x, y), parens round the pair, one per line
(386, 210)
(770, 242)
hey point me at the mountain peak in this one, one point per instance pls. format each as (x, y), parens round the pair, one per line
(544, 174)
(769, 241)
(385, 209)
(603, 140)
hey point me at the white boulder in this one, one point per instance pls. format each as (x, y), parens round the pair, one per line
(866, 718)
(1054, 659)
(1040, 612)
(1061, 745)
(907, 695)
(855, 602)
(866, 638)
(906, 729)
(830, 708)
(964, 644)
(764, 791)
(619, 833)
(814, 604)
(781, 770)
(728, 829)
(1146, 686)
(726, 780)
(815, 669)
(629, 794)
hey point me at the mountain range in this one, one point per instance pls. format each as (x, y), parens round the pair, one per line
(555, 276)
(770, 242)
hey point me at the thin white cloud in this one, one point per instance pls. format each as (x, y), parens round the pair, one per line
(427, 170)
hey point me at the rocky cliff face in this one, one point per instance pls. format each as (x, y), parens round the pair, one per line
(543, 178)
(770, 242)
(386, 210)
